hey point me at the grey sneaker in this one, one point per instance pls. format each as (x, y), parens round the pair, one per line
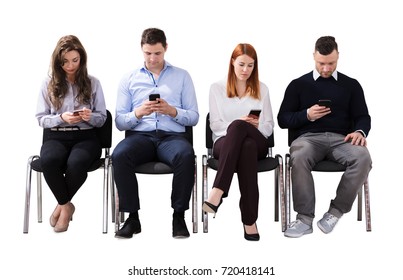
(328, 222)
(298, 229)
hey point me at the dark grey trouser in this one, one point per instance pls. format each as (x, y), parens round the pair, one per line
(310, 148)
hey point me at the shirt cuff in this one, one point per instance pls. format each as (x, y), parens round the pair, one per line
(362, 132)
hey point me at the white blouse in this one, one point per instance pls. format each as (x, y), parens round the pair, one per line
(223, 110)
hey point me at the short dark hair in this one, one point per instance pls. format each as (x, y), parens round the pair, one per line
(326, 45)
(153, 36)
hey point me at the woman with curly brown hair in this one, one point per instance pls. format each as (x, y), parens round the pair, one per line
(71, 104)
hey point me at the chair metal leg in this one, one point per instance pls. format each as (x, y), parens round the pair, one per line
(287, 190)
(39, 195)
(27, 199)
(28, 193)
(367, 206)
(280, 185)
(112, 191)
(194, 201)
(204, 193)
(276, 192)
(105, 196)
(117, 213)
(359, 205)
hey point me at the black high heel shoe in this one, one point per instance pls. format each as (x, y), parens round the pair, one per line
(211, 208)
(251, 237)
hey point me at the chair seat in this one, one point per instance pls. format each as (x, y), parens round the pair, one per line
(329, 166)
(36, 165)
(153, 168)
(266, 164)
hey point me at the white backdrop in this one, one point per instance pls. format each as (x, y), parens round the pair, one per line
(201, 36)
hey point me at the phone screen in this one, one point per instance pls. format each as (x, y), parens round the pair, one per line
(254, 113)
(325, 102)
(154, 96)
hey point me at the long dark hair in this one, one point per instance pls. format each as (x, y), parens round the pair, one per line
(58, 86)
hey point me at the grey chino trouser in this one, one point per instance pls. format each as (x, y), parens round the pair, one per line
(310, 148)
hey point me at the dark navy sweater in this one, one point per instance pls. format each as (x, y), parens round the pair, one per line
(349, 110)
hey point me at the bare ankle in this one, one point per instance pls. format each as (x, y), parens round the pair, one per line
(251, 229)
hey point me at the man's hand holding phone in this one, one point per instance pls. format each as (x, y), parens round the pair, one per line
(148, 106)
(153, 97)
(319, 110)
(325, 102)
(154, 100)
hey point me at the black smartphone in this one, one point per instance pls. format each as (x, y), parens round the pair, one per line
(77, 112)
(154, 96)
(255, 113)
(325, 102)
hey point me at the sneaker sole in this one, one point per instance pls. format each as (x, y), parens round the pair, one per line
(298, 235)
(323, 229)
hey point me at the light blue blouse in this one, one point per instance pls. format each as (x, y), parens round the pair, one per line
(49, 117)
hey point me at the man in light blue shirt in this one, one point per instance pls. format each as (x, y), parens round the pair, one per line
(154, 105)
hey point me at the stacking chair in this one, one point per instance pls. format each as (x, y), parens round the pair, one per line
(34, 163)
(155, 168)
(325, 166)
(268, 164)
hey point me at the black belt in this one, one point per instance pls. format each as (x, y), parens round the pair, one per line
(69, 128)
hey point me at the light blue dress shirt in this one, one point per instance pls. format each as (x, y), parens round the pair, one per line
(174, 85)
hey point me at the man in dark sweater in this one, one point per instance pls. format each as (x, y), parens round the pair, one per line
(334, 130)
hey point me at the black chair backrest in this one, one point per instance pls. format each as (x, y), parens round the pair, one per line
(189, 134)
(104, 132)
(292, 135)
(209, 135)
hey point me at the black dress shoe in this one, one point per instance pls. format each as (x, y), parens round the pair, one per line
(131, 226)
(179, 228)
(251, 237)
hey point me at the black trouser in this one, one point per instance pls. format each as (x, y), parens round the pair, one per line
(66, 157)
(239, 152)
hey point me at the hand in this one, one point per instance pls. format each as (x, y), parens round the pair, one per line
(158, 106)
(253, 120)
(317, 112)
(71, 118)
(356, 138)
(85, 114)
(144, 109)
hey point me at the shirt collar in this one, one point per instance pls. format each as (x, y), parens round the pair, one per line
(316, 74)
(166, 65)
